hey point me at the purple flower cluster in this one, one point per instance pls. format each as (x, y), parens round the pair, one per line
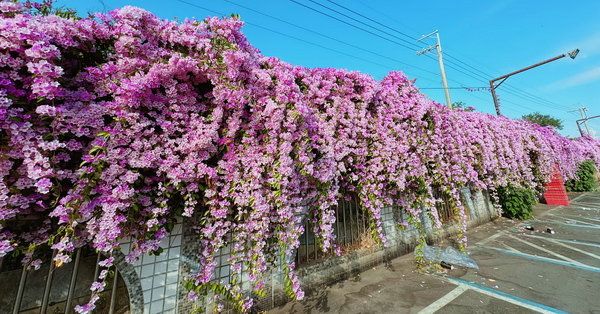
(114, 126)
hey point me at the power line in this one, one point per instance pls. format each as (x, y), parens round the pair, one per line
(513, 91)
(203, 8)
(306, 41)
(507, 84)
(454, 62)
(331, 38)
(391, 18)
(365, 24)
(350, 24)
(463, 87)
(372, 20)
(315, 44)
(456, 67)
(311, 43)
(510, 109)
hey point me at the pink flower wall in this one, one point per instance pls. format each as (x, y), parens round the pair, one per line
(114, 125)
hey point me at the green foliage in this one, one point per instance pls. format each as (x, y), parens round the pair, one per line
(587, 181)
(516, 202)
(543, 120)
(462, 105)
(47, 8)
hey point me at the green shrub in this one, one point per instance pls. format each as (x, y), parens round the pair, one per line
(516, 202)
(587, 180)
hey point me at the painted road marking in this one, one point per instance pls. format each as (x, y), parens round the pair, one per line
(573, 219)
(561, 240)
(593, 205)
(574, 262)
(540, 308)
(441, 302)
(574, 249)
(565, 224)
(583, 208)
(544, 259)
(596, 219)
(492, 238)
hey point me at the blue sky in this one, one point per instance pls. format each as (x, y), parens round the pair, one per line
(481, 40)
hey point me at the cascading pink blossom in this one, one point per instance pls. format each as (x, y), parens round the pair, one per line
(116, 125)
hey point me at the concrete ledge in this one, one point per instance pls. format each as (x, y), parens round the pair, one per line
(315, 277)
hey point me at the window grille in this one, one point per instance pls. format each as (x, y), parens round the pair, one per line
(351, 230)
(51, 289)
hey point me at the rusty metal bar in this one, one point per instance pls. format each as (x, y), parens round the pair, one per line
(345, 225)
(48, 286)
(19, 298)
(315, 246)
(113, 296)
(73, 282)
(351, 221)
(359, 220)
(97, 271)
(529, 67)
(337, 224)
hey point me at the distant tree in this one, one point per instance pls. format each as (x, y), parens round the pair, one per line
(543, 120)
(462, 105)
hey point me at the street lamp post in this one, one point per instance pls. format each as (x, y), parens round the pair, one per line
(503, 78)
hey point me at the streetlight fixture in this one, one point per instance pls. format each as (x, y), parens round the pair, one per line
(572, 54)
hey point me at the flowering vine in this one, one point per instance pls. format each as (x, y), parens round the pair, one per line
(113, 126)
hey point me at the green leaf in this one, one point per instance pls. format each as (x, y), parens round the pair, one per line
(169, 226)
(104, 134)
(95, 149)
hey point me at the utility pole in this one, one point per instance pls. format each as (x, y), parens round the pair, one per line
(584, 118)
(438, 47)
(572, 54)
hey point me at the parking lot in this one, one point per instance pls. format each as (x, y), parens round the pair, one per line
(549, 264)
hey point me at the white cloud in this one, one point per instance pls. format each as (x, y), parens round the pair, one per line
(577, 79)
(588, 47)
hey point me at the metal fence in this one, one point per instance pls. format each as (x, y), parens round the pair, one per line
(54, 289)
(352, 227)
(445, 207)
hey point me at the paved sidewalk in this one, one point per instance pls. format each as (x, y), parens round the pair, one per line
(521, 271)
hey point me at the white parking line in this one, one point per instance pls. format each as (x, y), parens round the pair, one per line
(562, 240)
(492, 238)
(574, 248)
(540, 308)
(441, 302)
(567, 224)
(592, 205)
(584, 208)
(572, 261)
(573, 219)
(564, 216)
(545, 259)
(509, 248)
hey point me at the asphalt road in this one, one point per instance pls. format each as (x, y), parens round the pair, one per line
(554, 268)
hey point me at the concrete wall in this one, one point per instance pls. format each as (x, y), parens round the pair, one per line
(154, 283)
(156, 278)
(314, 277)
